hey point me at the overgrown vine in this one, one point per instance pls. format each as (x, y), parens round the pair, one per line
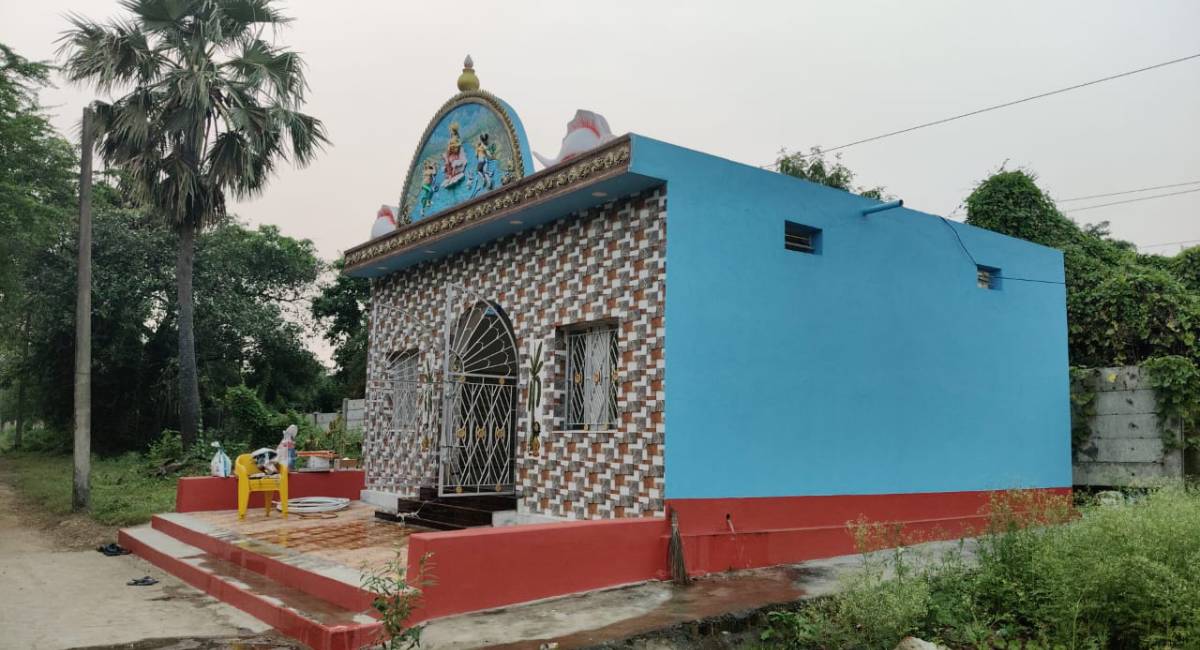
(1176, 382)
(1083, 405)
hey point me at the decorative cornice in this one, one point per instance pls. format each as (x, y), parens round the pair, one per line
(612, 157)
(466, 97)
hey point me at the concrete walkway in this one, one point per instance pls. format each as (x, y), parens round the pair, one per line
(672, 612)
(52, 599)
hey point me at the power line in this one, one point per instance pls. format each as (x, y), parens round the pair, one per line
(1140, 189)
(1143, 198)
(974, 262)
(1004, 105)
(1171, 243)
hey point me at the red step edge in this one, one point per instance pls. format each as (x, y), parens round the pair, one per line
(286, 621)
(339, 593)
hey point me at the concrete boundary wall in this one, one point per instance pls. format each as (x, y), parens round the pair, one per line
(1126, 444)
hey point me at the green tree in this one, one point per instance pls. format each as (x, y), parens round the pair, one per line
(1186, 267)
(210, 107)
(341, 306)
(242, 327)
(814, 166)
(1011, 202)
(255, 287)
(37, 189)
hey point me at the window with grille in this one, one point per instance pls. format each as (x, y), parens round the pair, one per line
(406, 392)
(801, 238)
(591, 381)
(987, 277)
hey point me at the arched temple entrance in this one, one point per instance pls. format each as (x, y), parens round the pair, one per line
(478, 432)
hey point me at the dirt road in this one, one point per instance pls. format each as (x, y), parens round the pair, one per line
(54, 597)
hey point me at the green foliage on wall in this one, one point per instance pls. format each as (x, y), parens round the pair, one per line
(1176, 382)
(1083, 404)
(814, 166)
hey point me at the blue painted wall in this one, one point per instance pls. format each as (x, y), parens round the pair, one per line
(875, 367)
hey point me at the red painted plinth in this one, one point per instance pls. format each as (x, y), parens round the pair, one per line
(482, 568)
(194, 493)
(724, 534)
(492, 567)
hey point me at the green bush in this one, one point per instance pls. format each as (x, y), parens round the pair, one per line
(248, 424)
(168, 449)
(1123, 576)
(47, 440)
(246, 421)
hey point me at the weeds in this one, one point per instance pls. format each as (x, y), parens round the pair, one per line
(395, 599)
(1042, 575)
(124, 492)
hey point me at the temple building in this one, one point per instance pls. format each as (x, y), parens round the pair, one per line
(765, 355)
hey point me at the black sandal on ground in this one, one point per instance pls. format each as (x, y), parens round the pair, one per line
(112, 550)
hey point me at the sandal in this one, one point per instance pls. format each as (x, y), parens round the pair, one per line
(144, 581)
(113, 550)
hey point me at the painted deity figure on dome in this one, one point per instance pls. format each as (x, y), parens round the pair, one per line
(485, 165)
(428, 184)
(454, 161)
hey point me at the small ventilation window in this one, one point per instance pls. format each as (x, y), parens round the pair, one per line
(987, 277)
(801, 238)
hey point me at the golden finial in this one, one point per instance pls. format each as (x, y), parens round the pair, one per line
(467, 80)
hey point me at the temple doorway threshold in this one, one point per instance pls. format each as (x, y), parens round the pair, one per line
(429, 510)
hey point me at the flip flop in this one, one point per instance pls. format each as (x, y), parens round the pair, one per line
(112, 550)
(144, 581)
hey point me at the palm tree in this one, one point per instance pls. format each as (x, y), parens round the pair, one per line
(210, 105)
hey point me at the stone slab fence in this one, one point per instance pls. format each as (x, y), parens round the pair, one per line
(1126, 443)
(353, 414)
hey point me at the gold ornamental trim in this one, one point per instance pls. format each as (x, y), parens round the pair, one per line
(521, 192)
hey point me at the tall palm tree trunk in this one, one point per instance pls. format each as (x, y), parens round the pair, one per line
(189, 384)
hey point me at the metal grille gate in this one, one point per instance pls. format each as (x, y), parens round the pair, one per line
(479, 397)
(467, 407)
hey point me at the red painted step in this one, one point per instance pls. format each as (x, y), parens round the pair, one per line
(334, 583)
(299, 615)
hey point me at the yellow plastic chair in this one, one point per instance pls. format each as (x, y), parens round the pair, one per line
(249, 480)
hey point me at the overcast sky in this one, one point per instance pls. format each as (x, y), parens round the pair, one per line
(740, 80)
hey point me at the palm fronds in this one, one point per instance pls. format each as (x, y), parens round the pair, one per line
(206, 105)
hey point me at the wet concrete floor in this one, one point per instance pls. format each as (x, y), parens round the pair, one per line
(264, 642)
(352, 537)
(664, 615)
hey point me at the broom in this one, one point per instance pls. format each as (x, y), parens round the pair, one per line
(675, 553)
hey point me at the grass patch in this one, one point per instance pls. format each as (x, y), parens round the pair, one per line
(1124, 576)
(124, 491)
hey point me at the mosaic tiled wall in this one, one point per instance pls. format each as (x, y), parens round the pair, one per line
(604, 264)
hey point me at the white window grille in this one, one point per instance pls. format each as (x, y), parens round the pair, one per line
(591, 381)
(987, 277)
(406, 393)
(801, 238)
